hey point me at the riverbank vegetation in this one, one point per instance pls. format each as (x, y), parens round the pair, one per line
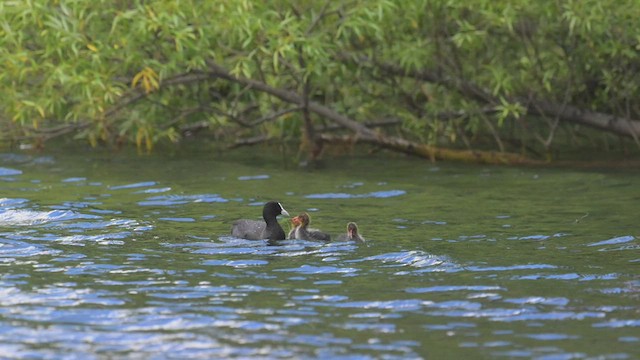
(482, 80)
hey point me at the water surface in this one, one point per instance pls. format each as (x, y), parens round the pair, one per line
(125, 256)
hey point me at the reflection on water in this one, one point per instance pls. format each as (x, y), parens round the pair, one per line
(375, 194)
(135, 261)
(170, 200)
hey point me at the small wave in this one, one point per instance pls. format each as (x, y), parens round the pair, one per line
(434, 222)
(9, 172)
(76, 205)
(236, 263)
(567, 276)
(445, 288)
(177, 219)
(450, 326)
(253, 177)
(384, 328)
(328, 282)
(11, 203)
(534, 237)
(10, 249)
(539, 300)
(553, 315)
(396, 305)
(150, 323)
(154, 190)
(618, 324)
(511, 267)
(74, 179)
(224, 250)
(375, 194)
(456, 305)
(30, 217)
(309, 270)
(418, 259)
(551, 336)
(614, 241)
(538, 237)
(229, 245)
(134, 185)
(171, 200)
(91, 225)
(103, 239)
(520, 314)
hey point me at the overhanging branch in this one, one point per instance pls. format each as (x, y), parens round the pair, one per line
(565, 112)
(363, 133)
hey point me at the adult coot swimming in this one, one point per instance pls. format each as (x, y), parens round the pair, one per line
(352, 234)
(302, 231)
(256, 230)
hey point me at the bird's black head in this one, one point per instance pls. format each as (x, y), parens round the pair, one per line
(273, 209)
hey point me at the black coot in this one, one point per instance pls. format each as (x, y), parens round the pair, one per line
(256, 230)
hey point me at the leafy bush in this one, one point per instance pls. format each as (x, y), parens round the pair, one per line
(448, 73)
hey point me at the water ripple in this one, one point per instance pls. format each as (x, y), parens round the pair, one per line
(114, 238)
(74, 179)
(65, 225)
(29, 217)
(153, 190)
(536, 300)
(178, 219)
(229, 245)
(338, 302)
(57, 295)
(309, 269)
(378, 327)
(253, 177)
(521, 314)
(415, 258)
(613, 241)
(511, 267)
(11, 249)
(172, 200)
(618, 324)
(9, 172)
(567, 276)
(134, 185)
(104, 224)
(553, 315)
(70, 289)
(11, 203)
(551, 336)
(375, 194)
(445, 288)
(236, 263)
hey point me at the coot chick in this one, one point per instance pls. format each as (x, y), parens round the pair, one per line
(296, 224)
(352, 234)
(256, 230)
(302, 232)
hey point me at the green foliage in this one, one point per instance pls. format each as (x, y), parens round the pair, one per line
(117, 71)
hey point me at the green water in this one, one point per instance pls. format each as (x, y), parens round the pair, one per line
(122, 255)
